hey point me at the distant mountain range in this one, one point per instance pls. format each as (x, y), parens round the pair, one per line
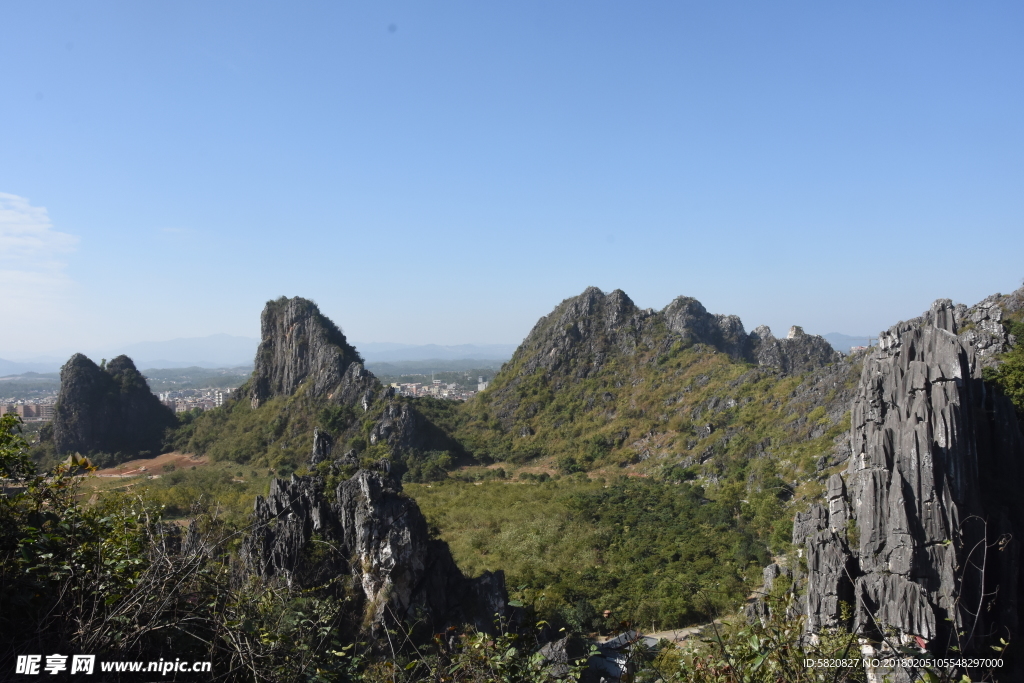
(389, 352)
(225, 351)
(9, 367)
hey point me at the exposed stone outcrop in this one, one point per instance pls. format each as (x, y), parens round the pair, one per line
(398, 427)
(921, 535)
(798, 352)
(583, 332)
(303, 353)
(107, 410)
(688, 318)
(367, 529)
(298, 343)
(323, 443)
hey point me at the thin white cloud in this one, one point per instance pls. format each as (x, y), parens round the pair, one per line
(27, 237)
(32, 269)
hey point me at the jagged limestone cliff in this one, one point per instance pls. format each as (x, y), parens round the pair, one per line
(921, 534)
(308, 377)
(107, 410)
(366, 529)
(583, 331)
(300, 345)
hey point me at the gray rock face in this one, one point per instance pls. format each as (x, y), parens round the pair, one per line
(398, 427)
(798, 352)
(583, 331)
(108, 410)
(687, 317)
(920, 535)
(297, 344)
(579, 335)
(368, 530)
(323, 443)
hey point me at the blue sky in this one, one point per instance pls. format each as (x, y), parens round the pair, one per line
(448, 172)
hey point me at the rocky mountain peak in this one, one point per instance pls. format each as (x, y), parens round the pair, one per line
(299, 344)
(107, 410)
(688, 318)
(798, 352)
(584, 331)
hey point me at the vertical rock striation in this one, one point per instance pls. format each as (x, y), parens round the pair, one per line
(921, 534)
(298, 343)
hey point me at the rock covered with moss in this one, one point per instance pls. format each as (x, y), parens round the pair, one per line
(107, 409)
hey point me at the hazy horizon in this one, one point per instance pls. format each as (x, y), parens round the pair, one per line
(449, 173)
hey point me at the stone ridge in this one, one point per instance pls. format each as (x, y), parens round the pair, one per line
(587, 327)
(930, 494)
(582, 332)
(368, 530)
(107, 410)
(299, 343)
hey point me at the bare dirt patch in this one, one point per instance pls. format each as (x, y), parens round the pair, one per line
(153, 466)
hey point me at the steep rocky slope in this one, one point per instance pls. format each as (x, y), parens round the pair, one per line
(602, 382)
(310, 382)
(582, 332)
(366, 529)
(921, 533)
(107, 410)
(299, 344)
(308, 377)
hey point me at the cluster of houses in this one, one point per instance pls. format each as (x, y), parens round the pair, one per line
(438, 389)
(32, 412)
(186, 400)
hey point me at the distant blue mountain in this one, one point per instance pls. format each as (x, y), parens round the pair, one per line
(10, 367)
(227, 351)
(214, 351)
(389, 352)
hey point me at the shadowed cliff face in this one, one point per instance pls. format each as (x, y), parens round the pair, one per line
(365, 528)
(300, 343)
(922, 532)
(108, 410)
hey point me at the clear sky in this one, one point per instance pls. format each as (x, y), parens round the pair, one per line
(447, 172)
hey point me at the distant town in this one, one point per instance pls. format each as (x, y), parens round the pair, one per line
(187, 400)
(438, 389)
